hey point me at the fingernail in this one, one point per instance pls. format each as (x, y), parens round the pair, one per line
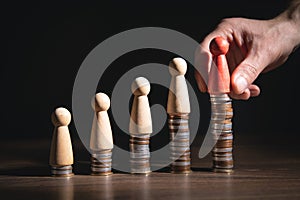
(241, 84)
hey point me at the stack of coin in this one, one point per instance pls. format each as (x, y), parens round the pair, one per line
(64, 171)
(101, 162)
(140, 154)
(221, 130)
(180, 144)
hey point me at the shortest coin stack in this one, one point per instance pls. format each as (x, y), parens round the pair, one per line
(180, 144)
(63, 171)
(101, 162)
(140, 154)
(221, 130)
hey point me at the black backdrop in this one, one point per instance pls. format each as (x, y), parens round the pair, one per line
(44, 44)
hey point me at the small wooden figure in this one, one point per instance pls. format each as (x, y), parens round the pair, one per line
(219, 77)
(101, 140)
(61, 153)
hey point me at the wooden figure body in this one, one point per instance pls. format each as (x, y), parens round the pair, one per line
(219, 77)
(140, 119)
(178, 98)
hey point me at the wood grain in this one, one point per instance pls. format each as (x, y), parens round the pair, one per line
(263, 170)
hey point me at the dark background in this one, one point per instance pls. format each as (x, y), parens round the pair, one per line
(44, 43)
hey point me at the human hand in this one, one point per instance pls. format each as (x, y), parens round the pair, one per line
(256, 46)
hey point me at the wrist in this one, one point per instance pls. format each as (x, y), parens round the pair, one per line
(292, 16)
(290, 19)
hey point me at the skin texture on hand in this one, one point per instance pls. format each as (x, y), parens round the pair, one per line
(256, 46)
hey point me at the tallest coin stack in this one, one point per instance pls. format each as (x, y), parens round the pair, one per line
(221, 130)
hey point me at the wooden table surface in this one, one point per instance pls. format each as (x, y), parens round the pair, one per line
(263, 170)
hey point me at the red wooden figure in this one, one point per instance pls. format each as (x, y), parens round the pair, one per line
(219, 77)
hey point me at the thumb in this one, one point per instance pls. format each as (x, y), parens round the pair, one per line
(246, 72)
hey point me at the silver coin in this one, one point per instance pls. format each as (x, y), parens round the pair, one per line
(181, 134)
(103, 156)
(219, 95)
(141, 171)
(66, 167)
(101, 166)
(222, 158)
(138, 147)
(221, 126)
(179, 158)
(221, 104)
(221, 113)
(182, 139)
(179, 144)
(220, 132)
(220, 122)
(218, 118)
(216, 101)
(103, 161)
(179, 149)
(96, 169)
(219, 155)
(223, 167)
(223, 138)
(178, 128)
(139, 161)
(181, 163)
(140, 155)
(221, 110)
(179, 139)
(178, 121)
(61, 172)
(222, 150)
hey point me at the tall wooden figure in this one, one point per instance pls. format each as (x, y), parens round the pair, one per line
(178, 109)
(140, 127)
(61, 153)
(101, 140)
